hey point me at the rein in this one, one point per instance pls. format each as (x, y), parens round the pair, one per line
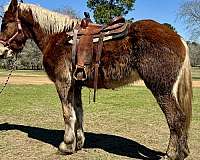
(19, 30)
(6, 82)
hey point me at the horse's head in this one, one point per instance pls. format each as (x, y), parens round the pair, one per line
(12, 37)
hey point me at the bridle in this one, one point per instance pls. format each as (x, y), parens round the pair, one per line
(6, 43)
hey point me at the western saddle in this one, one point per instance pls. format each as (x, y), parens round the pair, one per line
(84, 36)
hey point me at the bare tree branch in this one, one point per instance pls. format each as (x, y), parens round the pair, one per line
(67, 11)
(189, 13)
(1, 10)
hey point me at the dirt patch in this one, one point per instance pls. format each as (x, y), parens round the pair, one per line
(43, 79)
(37, 80)
(196, 84)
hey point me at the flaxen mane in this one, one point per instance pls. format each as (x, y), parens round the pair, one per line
(50, 21)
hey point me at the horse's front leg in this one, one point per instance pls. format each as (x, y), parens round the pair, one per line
(65, 91)
(80, 138)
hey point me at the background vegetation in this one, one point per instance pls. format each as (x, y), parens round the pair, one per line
(189, 13)
(105, 10)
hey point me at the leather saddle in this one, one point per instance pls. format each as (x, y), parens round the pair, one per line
(116, 29)
(117, 26)
(84, 36)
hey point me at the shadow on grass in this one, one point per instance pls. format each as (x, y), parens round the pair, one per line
(109, 143)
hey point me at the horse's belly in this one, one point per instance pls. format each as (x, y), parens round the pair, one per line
(109, 83)
(134, 76)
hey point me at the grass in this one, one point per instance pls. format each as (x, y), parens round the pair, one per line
(125, 123)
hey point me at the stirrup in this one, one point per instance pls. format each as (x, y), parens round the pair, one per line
(80, 73)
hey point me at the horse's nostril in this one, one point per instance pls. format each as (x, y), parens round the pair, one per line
(9, 54)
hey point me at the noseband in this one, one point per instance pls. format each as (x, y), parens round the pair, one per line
(19, 30)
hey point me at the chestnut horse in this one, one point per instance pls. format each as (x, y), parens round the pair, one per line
(150, 52)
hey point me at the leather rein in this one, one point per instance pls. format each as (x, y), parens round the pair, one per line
(6, 43)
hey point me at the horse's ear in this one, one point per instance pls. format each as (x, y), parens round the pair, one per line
(13, 6)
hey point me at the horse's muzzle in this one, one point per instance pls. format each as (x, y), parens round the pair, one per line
(5, 52)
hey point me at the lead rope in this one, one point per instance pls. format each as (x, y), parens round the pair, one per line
(11, 70)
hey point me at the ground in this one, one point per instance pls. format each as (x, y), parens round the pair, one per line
(123, 124)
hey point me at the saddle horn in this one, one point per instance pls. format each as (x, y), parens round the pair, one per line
(86, 14)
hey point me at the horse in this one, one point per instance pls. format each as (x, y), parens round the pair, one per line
(150, 51)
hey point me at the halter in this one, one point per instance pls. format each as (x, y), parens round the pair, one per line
(19, 30)
(7, 44)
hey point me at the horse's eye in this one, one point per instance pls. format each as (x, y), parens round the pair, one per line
(3, 26)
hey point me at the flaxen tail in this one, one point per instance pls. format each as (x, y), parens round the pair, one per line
(184, 88)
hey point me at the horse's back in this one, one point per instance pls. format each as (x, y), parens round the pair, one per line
(155, 36)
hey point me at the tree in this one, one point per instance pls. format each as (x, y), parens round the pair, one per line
(105, 10)
(170, 26)
(194, 53)
(1, 11)
(30, 57)
(67, 11)
(189, 12)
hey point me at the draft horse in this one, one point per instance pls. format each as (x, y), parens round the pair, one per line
(150, 51)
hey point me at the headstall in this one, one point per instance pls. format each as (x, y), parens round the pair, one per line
(6, 43)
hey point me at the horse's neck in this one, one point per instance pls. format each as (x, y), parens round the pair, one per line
(44, 23)
(40, 37)
(36, 33)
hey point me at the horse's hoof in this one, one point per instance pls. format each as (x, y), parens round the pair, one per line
(66, 148)
(186, 151)
(165, 158)
(80, 140)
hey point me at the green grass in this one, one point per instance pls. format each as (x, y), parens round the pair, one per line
(130, 113)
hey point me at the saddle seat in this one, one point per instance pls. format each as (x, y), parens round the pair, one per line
(117, 26)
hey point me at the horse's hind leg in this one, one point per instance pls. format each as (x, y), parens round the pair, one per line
(176, 119)
(169, 79)
(175, 102)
